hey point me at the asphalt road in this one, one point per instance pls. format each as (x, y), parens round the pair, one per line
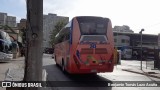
(56, 76)
(86, 82)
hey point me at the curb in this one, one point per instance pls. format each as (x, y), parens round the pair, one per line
(146, 74)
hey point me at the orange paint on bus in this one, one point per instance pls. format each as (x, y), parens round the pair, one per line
(80, 52)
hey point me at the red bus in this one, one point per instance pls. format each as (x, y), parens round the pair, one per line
(85, 45)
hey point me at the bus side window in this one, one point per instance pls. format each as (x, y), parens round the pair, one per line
(61, 38)
(66, 33)
(66, 37)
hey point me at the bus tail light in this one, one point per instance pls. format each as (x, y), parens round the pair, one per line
(111, 59)
(101, 51)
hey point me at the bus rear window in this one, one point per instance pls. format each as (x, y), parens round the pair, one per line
(92, 26)
(87, 38)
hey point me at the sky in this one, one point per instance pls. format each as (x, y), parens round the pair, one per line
(137, 14)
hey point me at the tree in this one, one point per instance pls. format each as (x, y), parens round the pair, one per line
(23, 35)
(59, 25)
(6, 27)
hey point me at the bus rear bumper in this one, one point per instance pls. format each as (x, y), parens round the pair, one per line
(93, 69)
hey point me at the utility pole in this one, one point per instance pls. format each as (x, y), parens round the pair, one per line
(141, 45)
(33, 57)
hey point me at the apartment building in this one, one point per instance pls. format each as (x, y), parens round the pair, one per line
(7, 20)
(49, 21)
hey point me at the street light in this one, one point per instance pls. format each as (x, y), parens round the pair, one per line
(141, 45)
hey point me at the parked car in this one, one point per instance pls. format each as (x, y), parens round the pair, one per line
(49, 50)
(5, 56)
(5, 46)
(5, 42)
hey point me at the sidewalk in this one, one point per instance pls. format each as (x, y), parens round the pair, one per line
(16, 73)
(131, 66)
(10, 69)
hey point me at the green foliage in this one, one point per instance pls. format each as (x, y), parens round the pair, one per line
(6, 27)
(59, 25)
(23, 35)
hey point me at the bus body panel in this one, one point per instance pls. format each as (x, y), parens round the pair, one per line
(62, 52)
(75, 38)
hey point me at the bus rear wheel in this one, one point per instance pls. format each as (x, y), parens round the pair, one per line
(63, 67)
(55, 60)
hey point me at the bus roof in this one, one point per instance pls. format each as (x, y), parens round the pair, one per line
(89, 17)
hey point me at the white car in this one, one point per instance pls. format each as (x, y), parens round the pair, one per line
(5, 57)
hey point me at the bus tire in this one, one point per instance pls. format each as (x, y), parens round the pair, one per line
(63, 67)
(55, 60)
(94, 74)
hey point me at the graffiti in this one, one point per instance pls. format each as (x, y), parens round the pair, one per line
(90, 58)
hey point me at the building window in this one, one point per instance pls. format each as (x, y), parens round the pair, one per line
(123, 40)
(115, 40)
(127, 41)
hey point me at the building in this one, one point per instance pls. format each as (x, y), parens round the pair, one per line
(7, 20)
(159, 40)
(3, 17)
(22, 24)
(14, 33)
(121, 40)
(132, 41)
(11, 21)
(124, 29)
(49, 21)
(8, 24)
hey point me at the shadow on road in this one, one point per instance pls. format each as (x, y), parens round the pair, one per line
(56, 78)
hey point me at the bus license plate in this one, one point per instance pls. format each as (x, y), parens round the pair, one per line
(93, 70)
